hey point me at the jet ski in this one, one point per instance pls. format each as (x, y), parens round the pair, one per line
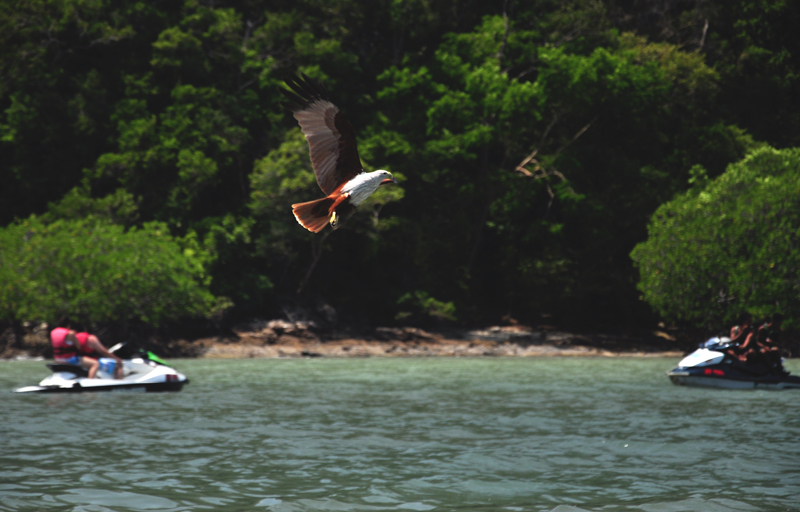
(711, 366)
(142, 371)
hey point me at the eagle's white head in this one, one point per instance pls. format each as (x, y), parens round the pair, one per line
(386, 177)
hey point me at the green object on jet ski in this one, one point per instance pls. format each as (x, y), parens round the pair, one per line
(151, 356)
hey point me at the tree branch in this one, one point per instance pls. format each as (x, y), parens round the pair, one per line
(580, 132)
(316, 252)
(505, 34)
(521, 167)
(703, 37)
(539, 172)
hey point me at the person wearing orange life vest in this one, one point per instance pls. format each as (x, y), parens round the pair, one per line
(70, 347)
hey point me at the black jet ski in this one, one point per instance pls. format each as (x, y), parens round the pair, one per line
(142, 371)
(711, 366)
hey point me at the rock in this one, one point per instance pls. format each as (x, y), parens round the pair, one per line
(282, 326)
(510, 333)
(402, 334)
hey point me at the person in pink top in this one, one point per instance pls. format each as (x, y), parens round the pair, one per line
(71, 347)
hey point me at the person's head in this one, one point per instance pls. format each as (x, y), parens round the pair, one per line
(745, 319)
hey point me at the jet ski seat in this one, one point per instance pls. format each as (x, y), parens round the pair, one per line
(71, 368)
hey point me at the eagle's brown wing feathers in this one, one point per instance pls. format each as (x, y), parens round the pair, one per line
(331, 138)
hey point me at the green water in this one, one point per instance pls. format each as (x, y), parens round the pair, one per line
(564, 434)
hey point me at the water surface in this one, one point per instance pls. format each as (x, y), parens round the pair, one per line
(564, 434)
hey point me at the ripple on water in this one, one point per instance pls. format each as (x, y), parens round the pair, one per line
(107, 498)
(562, 435)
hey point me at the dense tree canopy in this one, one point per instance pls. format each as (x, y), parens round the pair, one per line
(532, 140)
(728, 246)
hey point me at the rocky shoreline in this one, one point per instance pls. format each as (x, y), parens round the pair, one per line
(287, 339)
(293, 339)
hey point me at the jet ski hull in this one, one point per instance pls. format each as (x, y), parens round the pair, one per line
(730, 379)
(716, 369)
(140, 375)
(118, 388)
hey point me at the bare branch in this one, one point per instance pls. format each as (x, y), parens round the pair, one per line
(580, 132)
(540, 173)
(530, 158)
(250, 25)
(505, 33)
(527, 71)
(316, 252)
(703, 37)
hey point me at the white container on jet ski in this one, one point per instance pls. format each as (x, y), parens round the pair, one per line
(711, 366)
(139, 374)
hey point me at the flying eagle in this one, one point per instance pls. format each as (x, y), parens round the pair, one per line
(334, 156)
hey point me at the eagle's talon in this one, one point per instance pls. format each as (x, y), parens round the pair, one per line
(334, 220)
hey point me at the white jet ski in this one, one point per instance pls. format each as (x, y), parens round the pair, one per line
(711, 366)
(143, 371)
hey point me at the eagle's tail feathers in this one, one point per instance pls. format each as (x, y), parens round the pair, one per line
(313, 215)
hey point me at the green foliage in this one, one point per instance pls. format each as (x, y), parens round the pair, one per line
(54, 95)
(95, 271)
(425, 306)
(759, 58)
(554, 226)
(730, 246)
(532, 141)
(119, 207)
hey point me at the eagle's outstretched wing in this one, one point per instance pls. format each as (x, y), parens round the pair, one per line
(331, 138)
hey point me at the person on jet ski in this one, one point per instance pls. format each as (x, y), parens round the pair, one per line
(752, 352)
(740, 336)
(772, 335)
(70, 347)
(759, 351)
(773, 327)
(740, 331)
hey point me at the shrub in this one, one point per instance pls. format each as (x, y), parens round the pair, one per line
(95, 271)
(727, 246)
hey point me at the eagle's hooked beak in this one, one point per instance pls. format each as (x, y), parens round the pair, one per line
(389, 180)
